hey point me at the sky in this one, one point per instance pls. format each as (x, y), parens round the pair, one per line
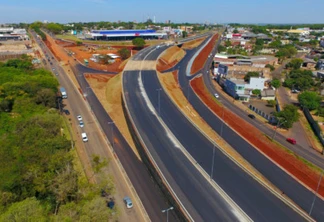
(192, 11)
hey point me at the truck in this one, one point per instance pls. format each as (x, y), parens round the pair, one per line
(63, 93)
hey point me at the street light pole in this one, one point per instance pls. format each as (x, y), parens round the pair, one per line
(275, 131)
(213, 161)
(318, 185)
(167, 211)
(112, 133)
(159, 108)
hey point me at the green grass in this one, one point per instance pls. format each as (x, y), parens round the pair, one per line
(66, 128)
(126, 43)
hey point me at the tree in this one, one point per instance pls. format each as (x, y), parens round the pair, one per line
(288, 116)
(29, 209)
(54, 27)
(271, 103)
(294, 63)
(275, 44)
(271, 67)
(249, 75)
(276, 83)
(310, 100)
(235, 31)
(256, 92)
(228, 43)
(300, 79)
(221, 48)
(184, 34)
(138, 42)
(46, 97)
(78, 43)
(124, 53)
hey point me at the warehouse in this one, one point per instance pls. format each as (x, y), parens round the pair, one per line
(113, 35)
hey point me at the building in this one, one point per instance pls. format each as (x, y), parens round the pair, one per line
(268, 94)
(256, 83)
(320, 64)
(124, 34)
(298, 31)
(236, 89)
(240, 60)
(9, 33)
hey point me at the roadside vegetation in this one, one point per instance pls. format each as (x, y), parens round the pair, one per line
(38, 179)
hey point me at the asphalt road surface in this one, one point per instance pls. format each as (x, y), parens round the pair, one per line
(148, 192)
(298, 193)
(253, 198)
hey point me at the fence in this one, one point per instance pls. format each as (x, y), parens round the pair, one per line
(268, 117)
(315, 127)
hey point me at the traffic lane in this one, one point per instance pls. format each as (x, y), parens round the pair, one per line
(138, 174)
(251, 197)
(197, 195)
(294, 190)
(309, 154)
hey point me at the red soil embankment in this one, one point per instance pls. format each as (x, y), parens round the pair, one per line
(200, 60)
(287, 161)
(169, 58)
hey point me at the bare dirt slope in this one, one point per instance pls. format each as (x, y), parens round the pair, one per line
(169, 58)
(193, 44)
(108, 90)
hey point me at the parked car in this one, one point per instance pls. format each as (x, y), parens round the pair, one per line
(216, 95)
(84, 137)
(251, 116)
(111, 204)
(67, 112)
(291, 140)
(79, 117)
(81, 124)
(128, 202)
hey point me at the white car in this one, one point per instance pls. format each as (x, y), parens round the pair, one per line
(128, 202)
(84, 137)
(216, 95)
(81, 124)
(79, 117)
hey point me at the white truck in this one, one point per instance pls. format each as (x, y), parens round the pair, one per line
(63, 93)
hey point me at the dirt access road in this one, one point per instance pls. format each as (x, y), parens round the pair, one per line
(97, 144)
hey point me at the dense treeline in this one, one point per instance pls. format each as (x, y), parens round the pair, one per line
(36, 26)
(38, 180)
(279, 26)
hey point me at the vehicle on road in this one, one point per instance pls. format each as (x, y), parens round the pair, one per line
(63, 93)
(53, 69)
(216, 95)
(251, 116)
(128, 202)
(56, 73)
(291, 140)
(79, 117)
(81, 124)
(84, 137)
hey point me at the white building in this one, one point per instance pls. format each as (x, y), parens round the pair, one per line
(256, 83)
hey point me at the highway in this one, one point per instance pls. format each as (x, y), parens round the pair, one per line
(256, 201)
(293, 189)
(137, 172)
